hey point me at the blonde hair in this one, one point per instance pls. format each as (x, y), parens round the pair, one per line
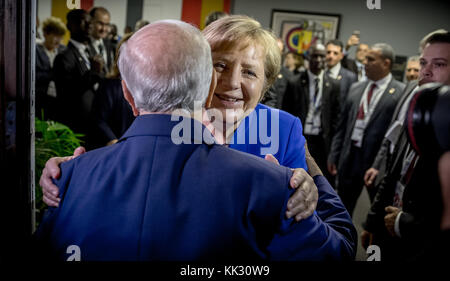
(228, 32)
(53, 25)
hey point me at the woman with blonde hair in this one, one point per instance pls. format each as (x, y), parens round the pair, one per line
(46, 51)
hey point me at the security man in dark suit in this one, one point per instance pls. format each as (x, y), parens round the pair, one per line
(314, 98)
(404, 217)
(77, 72)
(366, 116)
(334, 56)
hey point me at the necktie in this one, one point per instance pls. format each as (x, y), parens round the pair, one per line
(316, 88)
(100, 49)
(88, 55)
(369, 97)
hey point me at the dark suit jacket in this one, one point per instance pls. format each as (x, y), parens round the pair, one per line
(422, 205)
(275, 94)
(44, 74)
(75, 87)
(111, 114)
(346, 78)
(376, 127)
(296, 102)
(147, 198)
(380, 159)
(349, 64)
(110, 53)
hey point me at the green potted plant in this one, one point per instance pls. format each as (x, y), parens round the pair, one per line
(52, 139)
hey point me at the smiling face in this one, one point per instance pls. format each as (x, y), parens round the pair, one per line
(100, 25)
(240, 80)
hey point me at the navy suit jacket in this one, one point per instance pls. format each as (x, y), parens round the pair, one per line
(147, 198)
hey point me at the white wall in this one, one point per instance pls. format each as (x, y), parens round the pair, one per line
(118, 11)
(44, 10)
(154, 10)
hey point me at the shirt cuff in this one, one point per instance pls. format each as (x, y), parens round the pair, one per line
(397, 224)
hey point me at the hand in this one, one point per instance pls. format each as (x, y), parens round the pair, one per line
(389, 219)
(97, 63)
(332, 168)
(352, 41)
(366, 239)
(49, 190)
(313, 169)
(112, 142)
(304, 201)
(370, 176)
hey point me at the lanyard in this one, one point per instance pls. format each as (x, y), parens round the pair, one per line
(368, 109)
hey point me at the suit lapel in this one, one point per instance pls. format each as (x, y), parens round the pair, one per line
(43, 57)
(78, 57)
(357, 99)
(385, 97)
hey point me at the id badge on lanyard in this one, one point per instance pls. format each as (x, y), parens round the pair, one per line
(313, 123)
(358, 132)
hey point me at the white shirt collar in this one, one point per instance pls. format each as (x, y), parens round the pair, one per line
(96, 42)
(383, 82)
(79, 45)
(312, 76)
(334, 71)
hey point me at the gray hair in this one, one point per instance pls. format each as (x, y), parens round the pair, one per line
(387, 51)
(413, 58)
(166, 66)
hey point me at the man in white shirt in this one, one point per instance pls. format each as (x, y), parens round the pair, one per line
(100, 27)
(365, 118)
(77, 72)
(314, 98)
(408, 202)
(334, 56)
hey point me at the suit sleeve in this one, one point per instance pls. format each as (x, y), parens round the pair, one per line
(295, 148)
(42, 236)
(64, 75)
(328, 236)
(102, 108)
(288, 102)
(336, 109)
(381, 155)
(338, 139)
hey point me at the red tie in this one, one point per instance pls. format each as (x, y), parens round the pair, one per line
(369, 97)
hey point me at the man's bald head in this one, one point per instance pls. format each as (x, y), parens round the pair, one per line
(166, 66)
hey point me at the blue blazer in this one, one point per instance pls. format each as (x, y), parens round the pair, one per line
(149, 198)
(283, 139)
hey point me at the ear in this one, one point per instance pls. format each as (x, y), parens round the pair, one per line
(127, 95)
(212, 88)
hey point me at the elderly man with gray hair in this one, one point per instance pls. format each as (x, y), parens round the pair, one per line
(148, 197)
(365, 118)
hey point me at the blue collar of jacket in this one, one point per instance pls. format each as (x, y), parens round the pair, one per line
(181, 129)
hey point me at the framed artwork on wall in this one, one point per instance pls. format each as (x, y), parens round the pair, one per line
(299, 30)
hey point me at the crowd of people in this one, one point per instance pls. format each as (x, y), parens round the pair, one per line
(343, 121)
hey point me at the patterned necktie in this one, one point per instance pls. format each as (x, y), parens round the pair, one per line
(369, 97)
